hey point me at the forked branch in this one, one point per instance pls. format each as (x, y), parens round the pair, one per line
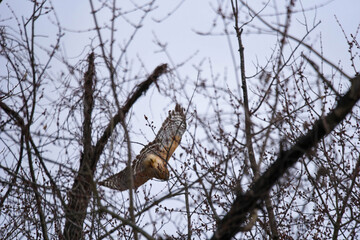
(80, 193)
(244, 204)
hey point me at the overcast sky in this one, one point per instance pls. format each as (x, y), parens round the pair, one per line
(180, 32)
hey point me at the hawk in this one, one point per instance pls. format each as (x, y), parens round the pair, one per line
(153, 158)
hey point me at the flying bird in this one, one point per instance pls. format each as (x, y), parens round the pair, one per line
(153, 158)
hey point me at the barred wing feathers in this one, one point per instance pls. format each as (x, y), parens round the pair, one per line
(153, 158)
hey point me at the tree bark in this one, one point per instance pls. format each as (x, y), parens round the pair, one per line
(244, 204)
(80, 194)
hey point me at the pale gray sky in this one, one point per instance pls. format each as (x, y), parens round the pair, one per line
(178, 31)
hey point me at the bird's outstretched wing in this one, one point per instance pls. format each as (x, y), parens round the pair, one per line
(153, 158)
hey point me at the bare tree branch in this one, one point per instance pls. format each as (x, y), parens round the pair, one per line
(244, 204)
(140, 89)
(80, 193)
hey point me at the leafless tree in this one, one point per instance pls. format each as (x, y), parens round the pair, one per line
(270, 153)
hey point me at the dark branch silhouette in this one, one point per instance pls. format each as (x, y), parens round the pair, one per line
(80, 193)
(244, 204)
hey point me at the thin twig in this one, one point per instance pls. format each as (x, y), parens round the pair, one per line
(244, 204)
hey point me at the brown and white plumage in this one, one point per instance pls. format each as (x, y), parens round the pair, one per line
(153, 158)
